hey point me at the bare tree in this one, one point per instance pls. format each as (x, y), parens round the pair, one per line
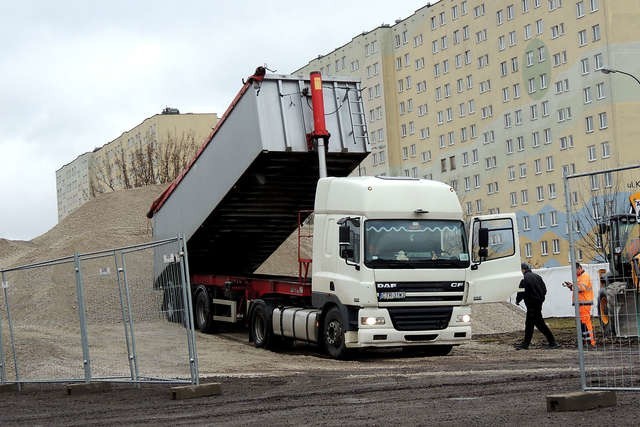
(597, 197)
(150, 162)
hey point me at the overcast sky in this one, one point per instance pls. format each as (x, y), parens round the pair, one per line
(76, 74)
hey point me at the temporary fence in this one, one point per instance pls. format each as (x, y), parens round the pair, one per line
(115, 315)
(603, 212)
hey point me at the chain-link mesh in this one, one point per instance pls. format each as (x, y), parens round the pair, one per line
(604, 228)
(118, 315)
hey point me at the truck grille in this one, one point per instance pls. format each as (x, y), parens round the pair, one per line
(449, 293)
(420, 318)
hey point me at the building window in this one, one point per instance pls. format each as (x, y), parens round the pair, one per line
(539, 26)
(550, 164)
(602, 118)
(580, 9)
(586, 92)
(566, 142)
(595, 32)
(524, 197)
(584, 65)
(526, 223)
(527, 250)
(523, 170)
(551, 189)
(606, 150)
(600, 92)
(588, 122)
(591, 153)
(582, 37)
(541, 220)
(543, 248)
(540, 193)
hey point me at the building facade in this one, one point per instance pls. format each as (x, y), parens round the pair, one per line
(502, 99)
(152, 152)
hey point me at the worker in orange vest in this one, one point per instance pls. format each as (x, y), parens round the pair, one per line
(585, 302)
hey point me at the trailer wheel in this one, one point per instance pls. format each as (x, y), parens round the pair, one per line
(333, 334)
(261, 332)
(172, 304)
(203, 310)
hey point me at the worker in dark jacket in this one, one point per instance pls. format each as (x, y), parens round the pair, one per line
(533, 293)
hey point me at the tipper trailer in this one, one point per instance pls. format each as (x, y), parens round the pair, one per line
(392, 262)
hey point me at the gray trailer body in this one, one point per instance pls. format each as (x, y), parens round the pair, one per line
(239, 199)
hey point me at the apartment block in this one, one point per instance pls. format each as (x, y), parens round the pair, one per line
(151, 152)
(502, 100)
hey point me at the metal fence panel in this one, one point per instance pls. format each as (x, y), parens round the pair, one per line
(604, 228)
(40, 323)
(100, 316)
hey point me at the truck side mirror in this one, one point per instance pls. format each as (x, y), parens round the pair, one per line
(344, 235)
(483, 238)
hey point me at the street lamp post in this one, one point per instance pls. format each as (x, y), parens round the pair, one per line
(611, 70)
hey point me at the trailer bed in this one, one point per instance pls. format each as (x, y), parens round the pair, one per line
(239, 198)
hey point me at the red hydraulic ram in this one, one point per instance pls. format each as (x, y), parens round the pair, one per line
(319, 136)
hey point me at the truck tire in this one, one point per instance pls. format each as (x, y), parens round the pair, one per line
(203, 310)
(261, 332)
(333, 334)
(172, 304)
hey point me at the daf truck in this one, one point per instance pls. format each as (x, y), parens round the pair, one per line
(393, 263)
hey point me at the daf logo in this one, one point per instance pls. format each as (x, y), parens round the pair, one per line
(386, 285)
(457, 284)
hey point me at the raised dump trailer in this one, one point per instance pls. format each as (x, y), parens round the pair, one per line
(240, 197)
(393, 264)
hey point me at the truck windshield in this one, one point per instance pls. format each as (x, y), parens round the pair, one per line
(415, 244)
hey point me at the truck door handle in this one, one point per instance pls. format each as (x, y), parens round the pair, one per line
(332, 287)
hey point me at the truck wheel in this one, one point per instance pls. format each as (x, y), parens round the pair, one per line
(172, 304)
(261, 332)
(333, 334)
(203, 310)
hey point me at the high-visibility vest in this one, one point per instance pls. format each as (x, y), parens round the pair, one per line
(585, 289)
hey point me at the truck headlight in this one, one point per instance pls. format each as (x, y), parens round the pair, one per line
(371, 321)
(463, 318)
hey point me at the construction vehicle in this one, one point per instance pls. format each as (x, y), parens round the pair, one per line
(619, 287)
(392, 263)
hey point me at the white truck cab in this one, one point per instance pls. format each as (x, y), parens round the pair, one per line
(392, 256)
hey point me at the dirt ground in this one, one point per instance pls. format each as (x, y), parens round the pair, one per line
(485, 382)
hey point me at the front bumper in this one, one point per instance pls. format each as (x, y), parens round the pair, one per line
(457, 332)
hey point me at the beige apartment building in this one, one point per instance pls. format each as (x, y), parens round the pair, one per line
(502, 99)
(151, 152)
